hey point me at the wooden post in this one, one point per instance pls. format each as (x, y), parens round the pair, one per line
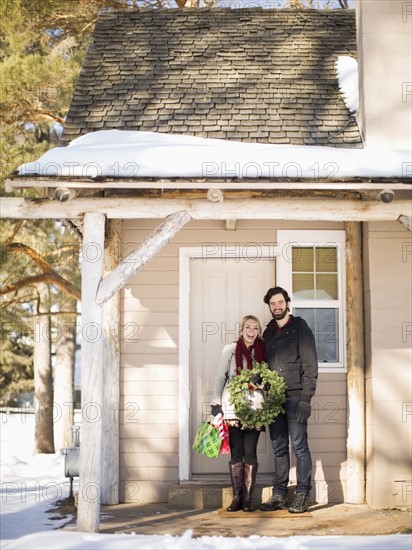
(90, 484)
(111, 366)
(99, 466)
(355, 364)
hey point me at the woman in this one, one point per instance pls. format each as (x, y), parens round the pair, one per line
(243, 442)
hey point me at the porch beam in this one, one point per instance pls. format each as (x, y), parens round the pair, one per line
(406, 221)
(273, 208)
(64, 182)
(116, 280)
(356, 365)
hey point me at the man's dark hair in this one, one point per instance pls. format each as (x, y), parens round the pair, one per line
(276, 290)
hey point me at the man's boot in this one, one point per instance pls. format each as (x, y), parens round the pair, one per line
(276, 502)
(250, 471)
(236, 476)
(299, 504)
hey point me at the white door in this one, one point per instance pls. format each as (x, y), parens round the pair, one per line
(222, 291)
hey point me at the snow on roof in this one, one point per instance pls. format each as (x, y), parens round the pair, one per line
(135, 154)
(347, 69)
(138, 154)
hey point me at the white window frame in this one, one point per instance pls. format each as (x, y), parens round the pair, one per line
(286, 239)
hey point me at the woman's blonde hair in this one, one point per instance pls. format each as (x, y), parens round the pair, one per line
(243, 322)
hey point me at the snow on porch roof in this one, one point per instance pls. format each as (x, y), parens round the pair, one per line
(250, 75)
(128, 155)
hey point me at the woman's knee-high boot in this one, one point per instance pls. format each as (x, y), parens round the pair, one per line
(250, 471)
(236, 476)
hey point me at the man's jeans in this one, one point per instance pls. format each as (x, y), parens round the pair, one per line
(286, 425)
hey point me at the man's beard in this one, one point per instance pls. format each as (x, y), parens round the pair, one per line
(282, 315)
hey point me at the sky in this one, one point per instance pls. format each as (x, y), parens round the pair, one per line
(31, 485)
(120, 153)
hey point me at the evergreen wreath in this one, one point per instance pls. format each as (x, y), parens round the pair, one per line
(241, 384)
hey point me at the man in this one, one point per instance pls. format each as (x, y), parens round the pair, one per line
(291, 351)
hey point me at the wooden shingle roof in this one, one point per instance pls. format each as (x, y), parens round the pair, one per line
(244, 74)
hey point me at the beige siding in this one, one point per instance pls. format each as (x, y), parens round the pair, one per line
(149, 428)
(327, 438)
(384, 32)
(388, 249)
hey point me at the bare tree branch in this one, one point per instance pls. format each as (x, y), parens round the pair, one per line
(16, 228)
(35, 256)
(49, 275)
(50, 278)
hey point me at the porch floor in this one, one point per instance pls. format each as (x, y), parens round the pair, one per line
(322, 520)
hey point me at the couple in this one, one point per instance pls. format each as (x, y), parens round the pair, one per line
(288, 347)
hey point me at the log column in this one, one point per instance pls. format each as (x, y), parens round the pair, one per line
(90, 468)
(355, 364)
(111, 367)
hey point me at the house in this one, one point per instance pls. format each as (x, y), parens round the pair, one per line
(173, 293)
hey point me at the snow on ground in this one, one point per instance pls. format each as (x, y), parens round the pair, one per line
(68, 540)
(31, 485)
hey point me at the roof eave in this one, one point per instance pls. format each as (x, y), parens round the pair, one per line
(360, 184)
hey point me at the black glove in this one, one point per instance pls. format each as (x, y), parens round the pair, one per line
(256, 379)
(303, 411)
(215, 410)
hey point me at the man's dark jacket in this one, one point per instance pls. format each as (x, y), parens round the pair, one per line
(291, 351)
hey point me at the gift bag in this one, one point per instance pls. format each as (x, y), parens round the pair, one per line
(223, 434)
(207, 441)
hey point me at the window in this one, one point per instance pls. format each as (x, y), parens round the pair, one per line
(311, 268)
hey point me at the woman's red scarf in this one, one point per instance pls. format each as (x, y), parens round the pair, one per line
(255, 352)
